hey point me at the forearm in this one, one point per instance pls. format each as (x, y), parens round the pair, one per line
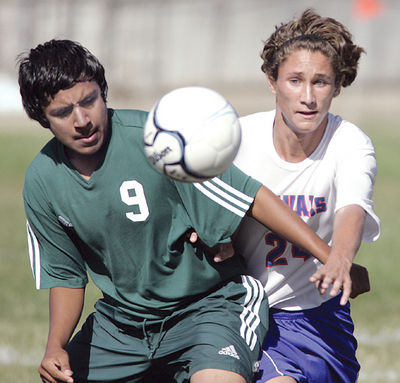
(65, 310)
(269, 210)
(346, 238)
(347, 232)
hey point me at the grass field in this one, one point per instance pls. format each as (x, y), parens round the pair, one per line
(23, 317)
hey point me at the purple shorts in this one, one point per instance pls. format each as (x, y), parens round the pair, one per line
(312, 346)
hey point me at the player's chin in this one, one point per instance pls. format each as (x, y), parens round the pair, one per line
(307, 127)
(87, 150)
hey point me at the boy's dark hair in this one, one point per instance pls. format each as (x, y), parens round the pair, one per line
(53, 66)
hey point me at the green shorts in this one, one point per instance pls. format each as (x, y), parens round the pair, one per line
(223, 330)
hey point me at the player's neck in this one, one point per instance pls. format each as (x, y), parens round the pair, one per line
(85, 165)
(293, 146)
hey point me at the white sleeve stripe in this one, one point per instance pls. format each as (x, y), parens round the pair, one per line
(226, 195)
(232, 190)
(251, 307)
(30, 250)
(34, 254)
(218, 200)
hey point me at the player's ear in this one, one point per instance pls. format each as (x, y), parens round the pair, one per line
(271, 84)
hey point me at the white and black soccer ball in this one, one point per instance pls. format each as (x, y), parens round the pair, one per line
(192, 134)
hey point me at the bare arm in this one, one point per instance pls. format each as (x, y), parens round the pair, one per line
(65, 310)
(346, 240)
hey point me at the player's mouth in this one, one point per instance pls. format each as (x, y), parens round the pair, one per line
(308, 114)
(89, 138)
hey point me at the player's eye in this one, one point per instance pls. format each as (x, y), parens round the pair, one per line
(62, 112)
(322, 81)
(89, 100)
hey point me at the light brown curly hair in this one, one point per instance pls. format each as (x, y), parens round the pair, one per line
(315, 33)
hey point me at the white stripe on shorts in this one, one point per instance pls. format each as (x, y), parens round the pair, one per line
(273, 363)
(251, 307)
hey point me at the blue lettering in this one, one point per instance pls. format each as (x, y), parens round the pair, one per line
(301, 206)
(320, 204)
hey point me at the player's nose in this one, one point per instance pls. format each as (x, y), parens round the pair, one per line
(81, 118)
(308, 95)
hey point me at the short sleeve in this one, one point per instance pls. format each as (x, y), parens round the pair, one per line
(216, 207)
(54, 258)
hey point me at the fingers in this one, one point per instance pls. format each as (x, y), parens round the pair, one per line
(224, 251)
(317, 279)
(346, 291)
(55, 375)
(221, 251)
(323, 281)
(193, 237)
(56, 369)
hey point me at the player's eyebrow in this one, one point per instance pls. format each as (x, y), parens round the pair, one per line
(323, 76)
(65, 110)
(61, 111)
(295, 74)
(301, 74)
(92, 96)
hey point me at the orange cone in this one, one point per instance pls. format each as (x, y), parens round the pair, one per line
(368, 9)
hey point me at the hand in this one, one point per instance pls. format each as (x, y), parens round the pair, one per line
(335, 272)
(360, 280)
(221, 251)
(55, 367)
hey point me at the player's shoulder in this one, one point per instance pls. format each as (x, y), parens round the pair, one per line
(48, 157)
(43, 165)
(128, 117)
(346, 133)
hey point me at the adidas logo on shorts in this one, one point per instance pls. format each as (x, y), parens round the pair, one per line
(230, 351)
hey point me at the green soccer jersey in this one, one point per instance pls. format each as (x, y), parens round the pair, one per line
(125, 226)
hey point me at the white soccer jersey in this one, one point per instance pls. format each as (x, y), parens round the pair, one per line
(341, 171)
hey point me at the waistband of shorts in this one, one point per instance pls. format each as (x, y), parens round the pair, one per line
(156, 318)
(329, 305)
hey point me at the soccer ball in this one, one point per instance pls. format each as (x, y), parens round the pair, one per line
(192, 134)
